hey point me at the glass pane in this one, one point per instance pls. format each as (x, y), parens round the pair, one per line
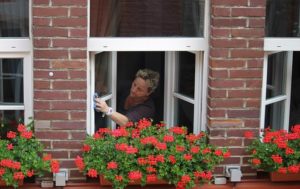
(103, 73)
(275, 115)
(11, 81)
(295, 91)
(282, 18)
(9, 120)
(185, 74)
(276, 74)
(184, 114)
(101, 120)
(142, 18)
(14, 18)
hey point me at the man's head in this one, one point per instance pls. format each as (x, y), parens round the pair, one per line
(145, 82)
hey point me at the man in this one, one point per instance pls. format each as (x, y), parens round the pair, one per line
(137, 102)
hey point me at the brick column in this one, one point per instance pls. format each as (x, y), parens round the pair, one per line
(235, 75)
(60, 65)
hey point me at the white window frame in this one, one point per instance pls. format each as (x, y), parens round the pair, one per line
(165, 44)
(21, 48)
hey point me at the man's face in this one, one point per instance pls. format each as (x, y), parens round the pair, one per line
(139, 88)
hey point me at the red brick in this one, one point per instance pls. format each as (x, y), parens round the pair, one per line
(51, 135)
(238, 151)
(67, 144)
(41, 21)
(220, 32)
(69, 22)
(245, 73)
(52, 115)
(236, 132)
(253, 123)
(51, 95)
(77, 74)
(217, 133)
(228, 123)
(257, 63)
(248, 32)
(78, 95)
(250, 93)
(78, 11)
(226, 83)
(78, 115)
(41, 84)
(41, 2)
(246, 53)
(216, 113)
(49, 11)
(256, 22)
(257, 3)
(226, 142)
(217, 93)
(67, 164)
(230, 2)
(231, 160)
(254, 83)
(46, 144)
(78, 135)
(248, 12)
(56, 75)
(219, 53)
(41, 105)
(218, 73)
(74, 154)
(230, 23)
(225, 103)
(67, 105)
(51, 54)
(69, 125)
(69, 85)
(220, 11)
(229, 63)
(41, 64)
(59, 154)
(255, 43)
(69, 2)
(82, 54)
(68, 64)
(49, 32)
(69, 43)
(77, 32)
(243, 113)
(228, 43)
(253, 103)
(77, 174)
(41, 43)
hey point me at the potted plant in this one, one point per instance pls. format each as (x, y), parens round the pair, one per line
(21, 156)
(277, 152)
(144, 152)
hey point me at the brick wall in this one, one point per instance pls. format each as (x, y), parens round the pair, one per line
(235, 75)
(59, 38)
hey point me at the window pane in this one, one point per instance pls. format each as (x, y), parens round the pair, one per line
(138, 18)
(9, 120)
(274, 115)
(101, 120)
(14, 18)
(295, 91)
(276, 78)
(103, 73)
(185, 74)
(184, 114)
(11, 81)
(282, 19)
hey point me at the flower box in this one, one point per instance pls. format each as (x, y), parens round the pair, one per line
(281, 177)
(142, 153)
(104, 182)
(3, 183)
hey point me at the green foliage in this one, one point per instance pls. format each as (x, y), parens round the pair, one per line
(21, 156)
(276, 151)
(146, 152)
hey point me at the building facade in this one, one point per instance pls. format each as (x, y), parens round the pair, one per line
(226, 67)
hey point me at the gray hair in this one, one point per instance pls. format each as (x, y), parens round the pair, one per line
(150, 76)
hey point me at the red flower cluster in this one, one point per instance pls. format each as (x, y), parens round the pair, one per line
(147, 152)
(282, 149)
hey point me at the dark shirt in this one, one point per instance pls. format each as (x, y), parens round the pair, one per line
(137, 112)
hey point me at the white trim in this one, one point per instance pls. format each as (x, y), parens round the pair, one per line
(146, 44)
(168, 83)
(114, 83)
(15, 45)
(184, 98)
(90, 88)
(288, 84)
(12, 107)
(28, 87)
(281, 44)
(198, 92)
(275, 99)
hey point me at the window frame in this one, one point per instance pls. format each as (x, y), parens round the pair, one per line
(21, 47)
(166, 44)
